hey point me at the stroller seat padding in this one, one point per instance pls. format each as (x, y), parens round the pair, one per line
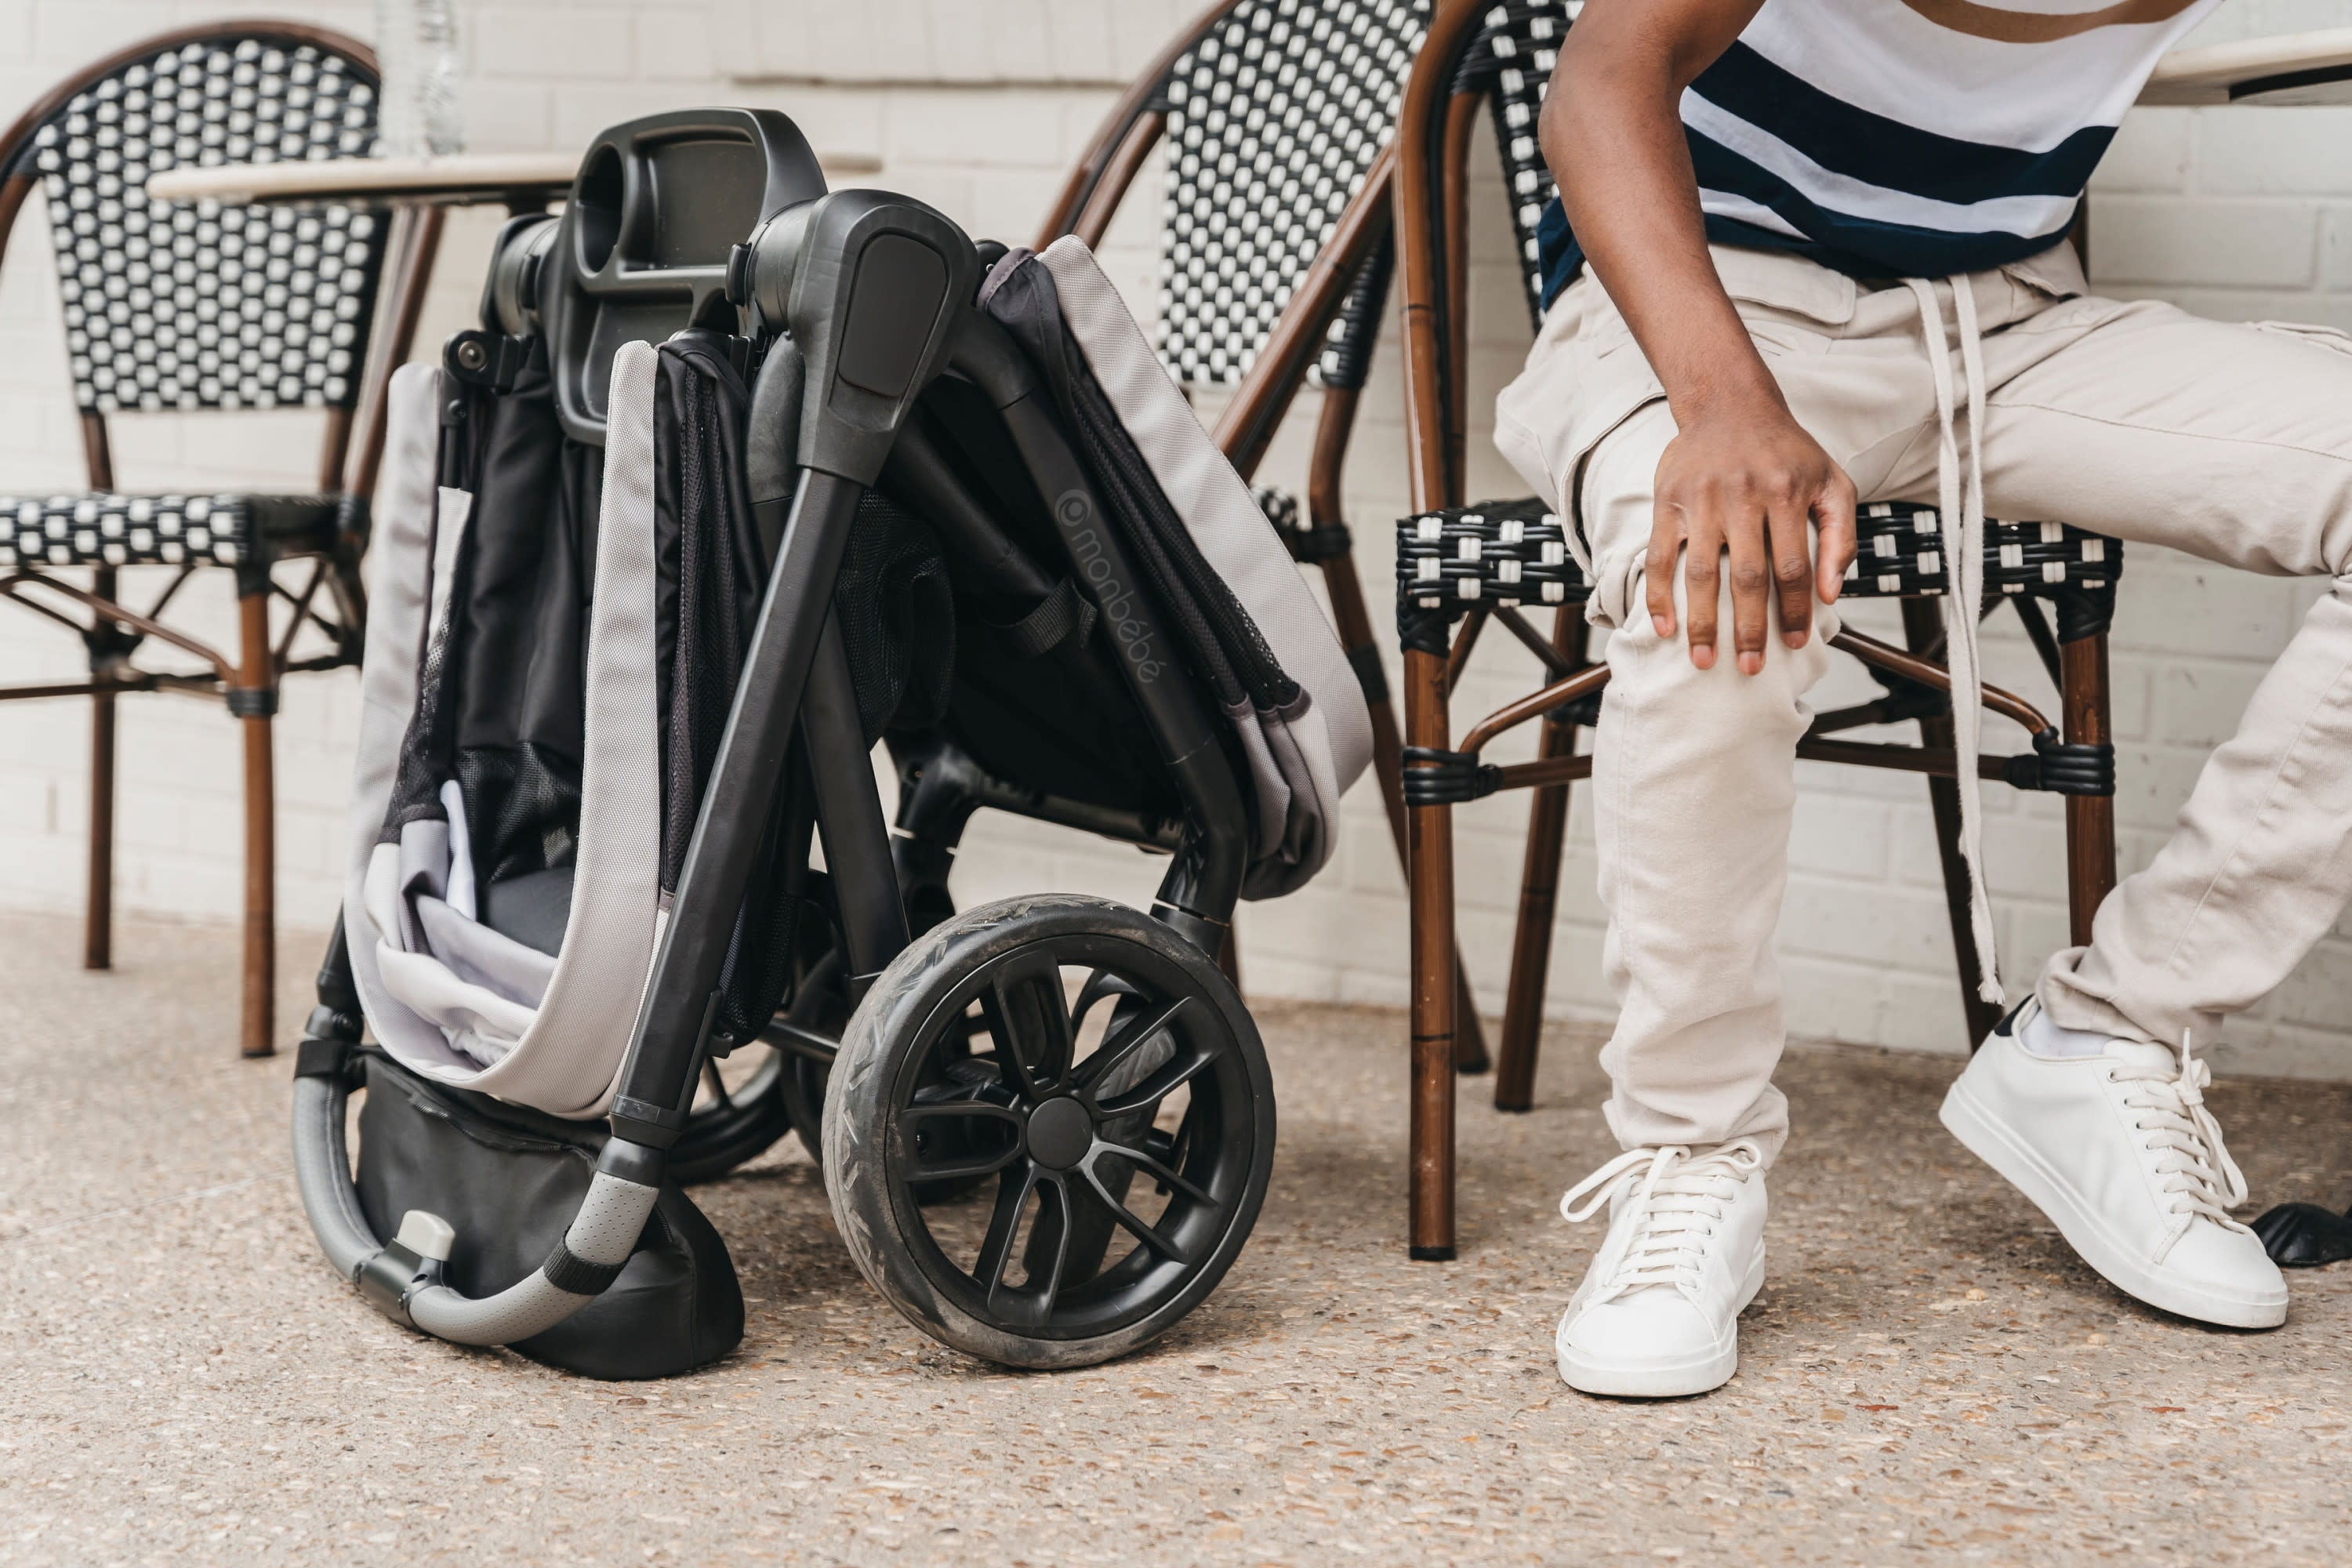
(443, 965)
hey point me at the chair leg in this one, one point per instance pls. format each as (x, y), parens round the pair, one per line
(1922, 625)
(2090, 818)
(254, 701)
(1353, 621)
(97, 919)
(1514, 1076)
(98, 907)
(1430, 874)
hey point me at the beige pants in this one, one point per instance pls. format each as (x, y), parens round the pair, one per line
(2232, 443)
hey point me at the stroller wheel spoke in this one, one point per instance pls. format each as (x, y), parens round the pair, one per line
(1129, 1222)
(1003, 1224)
(1103, 1067)
(1169, 1077)
(1045, 1258)
(1158, 1171)
(1031, 1023)
(1100, 984)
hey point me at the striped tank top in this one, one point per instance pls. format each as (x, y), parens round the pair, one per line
(1908, 138)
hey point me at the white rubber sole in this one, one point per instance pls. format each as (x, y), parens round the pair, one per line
(1661, 1379)
(2022, 1167)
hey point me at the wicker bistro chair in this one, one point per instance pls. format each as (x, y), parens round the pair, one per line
(1276, 262)
(189, 307)
(1462, 568)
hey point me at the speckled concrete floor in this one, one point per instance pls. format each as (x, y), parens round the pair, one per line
(1930, 1376)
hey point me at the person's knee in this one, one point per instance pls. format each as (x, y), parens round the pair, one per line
(1662, 665)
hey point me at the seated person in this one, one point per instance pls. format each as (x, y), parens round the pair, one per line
(1812, 250)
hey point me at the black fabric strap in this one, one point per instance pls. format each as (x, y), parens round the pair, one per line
(1064, 613)
(576, 1275)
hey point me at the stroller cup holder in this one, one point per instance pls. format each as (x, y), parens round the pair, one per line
(659, 205)
(1067, 1049)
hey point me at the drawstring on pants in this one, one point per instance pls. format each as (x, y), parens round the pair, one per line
(1962, 509)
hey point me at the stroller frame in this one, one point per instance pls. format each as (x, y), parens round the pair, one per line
(863, 300)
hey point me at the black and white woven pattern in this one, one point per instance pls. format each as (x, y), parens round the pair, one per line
(1899, 552)
(1467, 558)
(122, 531)
(199, 305)
(1515, 553)
(1281, 507)
(1511, 60)
(1273, 119)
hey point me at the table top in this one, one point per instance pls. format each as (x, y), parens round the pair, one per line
(2290, 70)
(458, 180)
(2293, 69)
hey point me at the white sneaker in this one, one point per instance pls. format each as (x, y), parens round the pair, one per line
(1658, 1313)
(2119, 1151)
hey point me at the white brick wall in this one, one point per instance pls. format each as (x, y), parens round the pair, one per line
(977, 106)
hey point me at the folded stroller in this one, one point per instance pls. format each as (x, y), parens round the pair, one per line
(736, 478)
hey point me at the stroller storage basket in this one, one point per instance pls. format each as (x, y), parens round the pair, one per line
(641, 613)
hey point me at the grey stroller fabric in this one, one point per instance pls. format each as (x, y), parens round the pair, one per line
(451, 998)
(1273, 663)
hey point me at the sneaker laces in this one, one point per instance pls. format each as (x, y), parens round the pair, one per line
(1678, 1201)
(2193, 1165)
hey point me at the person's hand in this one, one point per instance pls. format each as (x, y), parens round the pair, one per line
(1744, 482)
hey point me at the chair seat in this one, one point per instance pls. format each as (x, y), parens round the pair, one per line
(107, 529)
(1515, 553)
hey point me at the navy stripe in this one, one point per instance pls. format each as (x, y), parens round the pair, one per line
(1877, 248)
(1872, 250)
(1886, 152)
(1558, 256)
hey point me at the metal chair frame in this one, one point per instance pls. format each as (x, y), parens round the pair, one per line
(248, 678)
(1439, 111)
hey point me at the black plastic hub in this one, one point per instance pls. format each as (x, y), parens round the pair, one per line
(1060, 1133)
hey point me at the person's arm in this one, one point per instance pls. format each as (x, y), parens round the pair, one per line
(1741, 476)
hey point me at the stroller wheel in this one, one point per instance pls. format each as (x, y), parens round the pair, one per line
(820, 1006)
(772, 1085)
(740, 1110)
(1120, 1151)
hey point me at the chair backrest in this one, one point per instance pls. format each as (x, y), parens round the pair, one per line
(1275, 116)
(1511, 60)
(199, 305)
